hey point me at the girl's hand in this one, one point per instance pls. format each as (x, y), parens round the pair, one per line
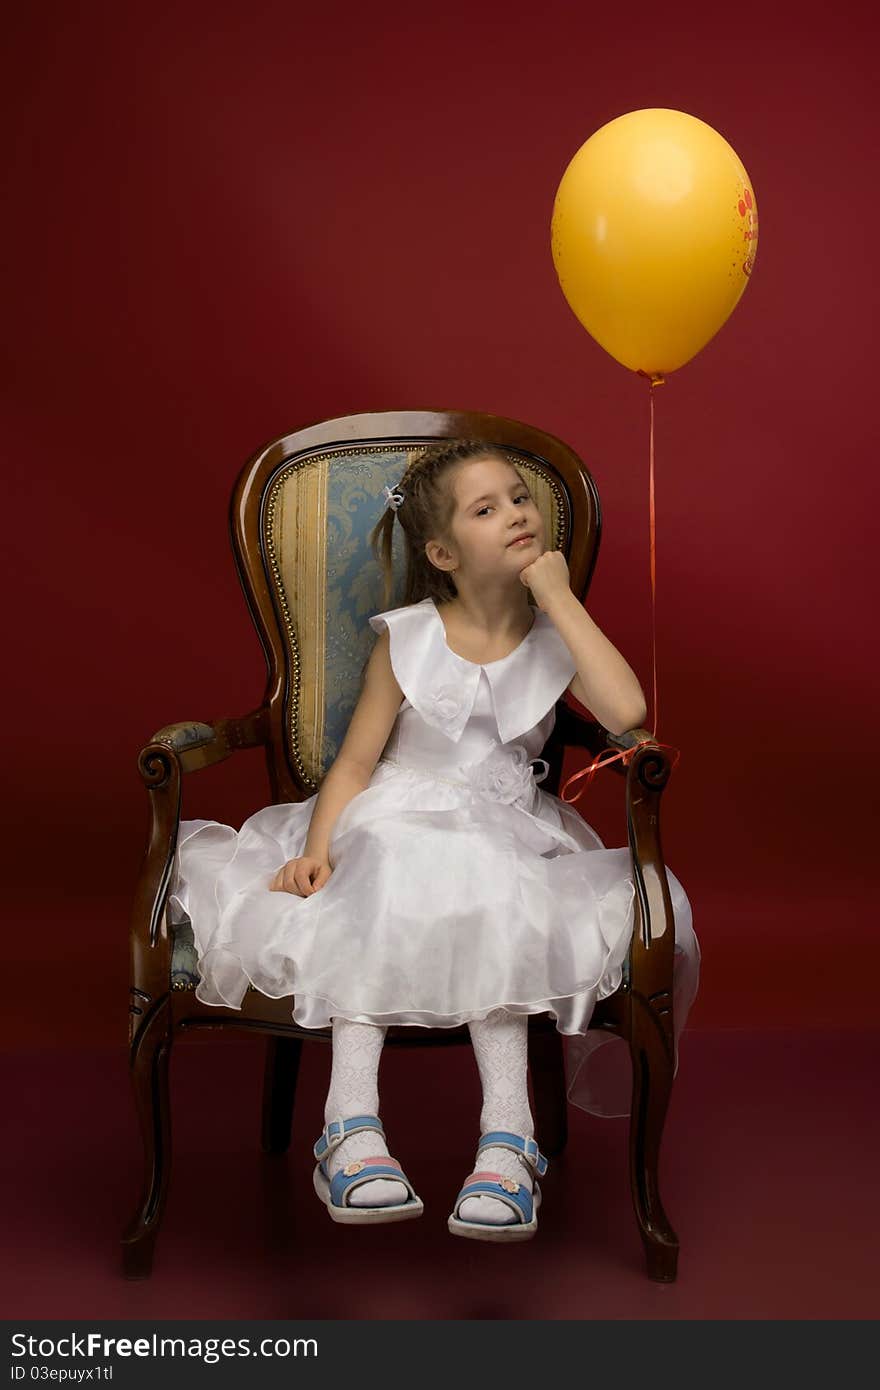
(302, 876)
(547, 577)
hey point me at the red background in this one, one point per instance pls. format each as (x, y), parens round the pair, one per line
(228, 221)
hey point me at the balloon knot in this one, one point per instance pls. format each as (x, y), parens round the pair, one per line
(655, 378)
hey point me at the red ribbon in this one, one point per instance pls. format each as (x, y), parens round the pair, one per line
(626, 755)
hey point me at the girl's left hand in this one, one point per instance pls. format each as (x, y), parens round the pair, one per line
(547, 577)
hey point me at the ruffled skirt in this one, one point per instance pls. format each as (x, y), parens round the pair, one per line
(442, 906)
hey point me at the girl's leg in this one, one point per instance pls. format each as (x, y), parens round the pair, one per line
(354, 1090)
(500, 1047)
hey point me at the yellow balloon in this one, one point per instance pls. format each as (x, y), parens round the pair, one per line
(654, 236)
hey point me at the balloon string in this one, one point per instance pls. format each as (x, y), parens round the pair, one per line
(627, 754)
(653, 534)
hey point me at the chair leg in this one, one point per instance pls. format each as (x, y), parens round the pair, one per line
(547, 1066)
(149, 1075)
(652, 1086)
(279, 1091)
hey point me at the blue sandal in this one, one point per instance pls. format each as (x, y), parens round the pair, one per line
(336, 1192)
(524, 1203)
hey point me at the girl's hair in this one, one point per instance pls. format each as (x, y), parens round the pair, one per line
(425, 513)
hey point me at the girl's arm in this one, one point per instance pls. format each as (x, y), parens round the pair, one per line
(604, 682)
(367, 734)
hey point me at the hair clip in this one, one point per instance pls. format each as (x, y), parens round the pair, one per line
(393, 498)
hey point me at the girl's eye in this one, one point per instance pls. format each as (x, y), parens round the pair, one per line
(523, 496)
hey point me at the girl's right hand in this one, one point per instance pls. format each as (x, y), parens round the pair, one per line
(302, 876)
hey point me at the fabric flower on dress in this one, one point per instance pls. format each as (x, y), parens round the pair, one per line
(446, 702)
(506, 775)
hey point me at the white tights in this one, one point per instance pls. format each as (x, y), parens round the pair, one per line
(500, 1048)
(354, 1090)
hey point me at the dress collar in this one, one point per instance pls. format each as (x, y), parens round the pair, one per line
(527, 683)
(442, 686)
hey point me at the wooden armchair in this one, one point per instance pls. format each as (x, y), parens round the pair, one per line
(300, 516)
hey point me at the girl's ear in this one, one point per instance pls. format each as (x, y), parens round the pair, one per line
(440, 556)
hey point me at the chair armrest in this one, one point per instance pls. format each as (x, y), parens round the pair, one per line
(648, 968)
(173, 750)
(198, 745)
(574, 730)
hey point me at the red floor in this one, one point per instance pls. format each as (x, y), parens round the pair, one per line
(768, 1173)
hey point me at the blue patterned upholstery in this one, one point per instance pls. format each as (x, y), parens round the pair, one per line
(184, 956)
(354, 581)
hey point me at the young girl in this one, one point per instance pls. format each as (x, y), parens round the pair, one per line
(430, 881)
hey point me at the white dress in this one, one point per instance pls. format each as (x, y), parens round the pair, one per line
(458, 886)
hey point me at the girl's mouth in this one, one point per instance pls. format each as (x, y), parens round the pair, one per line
(520, 540)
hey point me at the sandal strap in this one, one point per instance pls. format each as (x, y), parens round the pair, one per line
(521, 1201)
(342, 1184)
(336, 1130)
(521, 1144)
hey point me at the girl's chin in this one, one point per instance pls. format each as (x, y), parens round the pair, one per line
(527, 552)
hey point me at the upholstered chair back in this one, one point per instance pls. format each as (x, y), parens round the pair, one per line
(304, 552)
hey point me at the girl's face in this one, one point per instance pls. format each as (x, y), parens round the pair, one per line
(493, 507)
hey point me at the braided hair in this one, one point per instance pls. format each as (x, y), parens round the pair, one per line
(425, 513)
